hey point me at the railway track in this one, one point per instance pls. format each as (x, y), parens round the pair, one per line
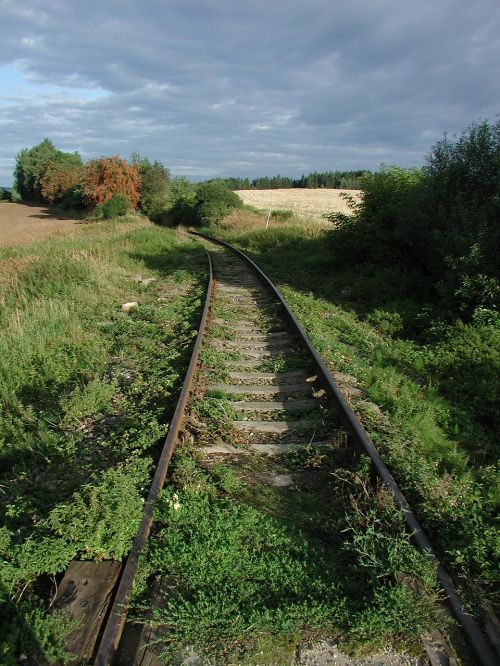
(281, 398)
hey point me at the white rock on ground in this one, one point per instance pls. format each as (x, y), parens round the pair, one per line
(128, 306)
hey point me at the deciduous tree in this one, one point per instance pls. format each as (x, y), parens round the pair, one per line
(60, 177)
(106, 176)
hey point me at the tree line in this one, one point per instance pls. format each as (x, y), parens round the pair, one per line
(112, 186)
(339, 180)
(109, 185)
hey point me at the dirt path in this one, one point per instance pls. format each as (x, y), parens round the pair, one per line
(21, 223)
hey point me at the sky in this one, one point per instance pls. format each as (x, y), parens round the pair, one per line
(223, 87)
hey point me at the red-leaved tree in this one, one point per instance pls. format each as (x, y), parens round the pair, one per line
(106, 176)
(59, 178)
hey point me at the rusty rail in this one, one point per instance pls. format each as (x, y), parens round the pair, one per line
(466, 621)
(114, 627)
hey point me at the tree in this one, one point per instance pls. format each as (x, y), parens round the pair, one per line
(31, 164)
(106, 176)
(154, 187)
(61, 176)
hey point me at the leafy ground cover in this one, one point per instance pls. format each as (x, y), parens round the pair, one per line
(85, 392)
(253, 569)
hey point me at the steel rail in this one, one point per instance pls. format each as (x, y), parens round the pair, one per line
(114, 626)
(468, 624)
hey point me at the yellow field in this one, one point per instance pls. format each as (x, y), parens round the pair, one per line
(307, 203)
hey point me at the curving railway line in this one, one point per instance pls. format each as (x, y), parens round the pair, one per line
(283, 398)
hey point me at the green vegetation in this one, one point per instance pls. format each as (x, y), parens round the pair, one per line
(282, 215)
(253, 569)
(214, 201)
(344, 180)
(44, 173)
(404, 297)
(85, 390)
(155, 185)
(115, 206)
(440, 222)
(109, 186)
(195, 205)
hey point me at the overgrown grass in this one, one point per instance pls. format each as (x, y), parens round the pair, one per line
(435, 382)
(85, 390)
(253, 570)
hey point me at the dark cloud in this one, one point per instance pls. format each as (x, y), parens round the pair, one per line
(216, 87)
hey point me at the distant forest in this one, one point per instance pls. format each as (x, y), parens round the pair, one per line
(340, 180)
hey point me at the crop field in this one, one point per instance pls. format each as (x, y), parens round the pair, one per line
(306, 203)
(21, 223)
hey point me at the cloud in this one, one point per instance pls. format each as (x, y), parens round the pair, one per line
(212, 87)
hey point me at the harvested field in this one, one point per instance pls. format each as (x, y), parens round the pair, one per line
(306, 203)
(22, 223)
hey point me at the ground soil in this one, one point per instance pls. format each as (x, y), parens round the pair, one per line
(23, 223)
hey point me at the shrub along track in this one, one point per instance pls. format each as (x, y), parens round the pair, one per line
(263, 401)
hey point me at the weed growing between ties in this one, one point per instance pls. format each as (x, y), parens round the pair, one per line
(433, 379)
(84, 393)
(255, 569)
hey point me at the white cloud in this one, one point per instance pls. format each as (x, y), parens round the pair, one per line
(246, 89)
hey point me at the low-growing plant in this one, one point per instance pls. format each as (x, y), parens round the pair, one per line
(247, 561)
(282, 215)
(115, 206)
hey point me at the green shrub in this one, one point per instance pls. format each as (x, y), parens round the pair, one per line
(5, 194)
(386, 322)
(441, 220)
(282, 215)
(115, 206)
(102, 518)
(214, 201)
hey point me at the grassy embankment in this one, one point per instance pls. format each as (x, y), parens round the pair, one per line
(436, 385)
(85, 390)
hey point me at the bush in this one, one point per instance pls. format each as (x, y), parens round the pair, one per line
(442, 220)
(214, 201)
(73, 198)
(117, 205)
(5, 194)
(106, 176)
(282, 215)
